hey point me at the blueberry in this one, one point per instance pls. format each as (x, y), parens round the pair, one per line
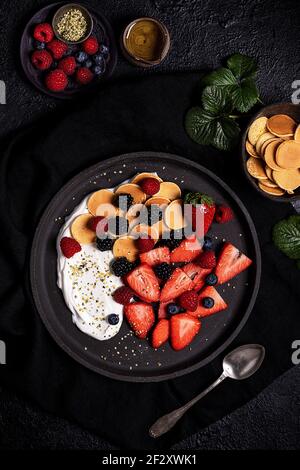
(211, 279)
(39, 45)
(136, 298)
(54, 64)
(88, 63)
(98, 69)
(98, 59)
(208, 302)
(173, 308)
(81, 56)
(113, 319)
(207, 243)
(104, 50)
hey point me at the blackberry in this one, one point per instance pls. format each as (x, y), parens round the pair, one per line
(104, 244)
(174, 239)
(121, 266)
(123, 201)
(154, 214)
(163, 271)
(118, 226)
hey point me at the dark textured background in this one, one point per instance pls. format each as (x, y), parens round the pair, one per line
(203, 32)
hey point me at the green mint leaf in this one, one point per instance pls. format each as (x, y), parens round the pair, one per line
(216, 100)
(227, 134)
(222, 77)
(245, 95)
(286, 236)
(242, 66)
(200, 125)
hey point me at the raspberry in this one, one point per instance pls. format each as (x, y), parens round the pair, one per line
(68, 65)
(145, 244)
(189, 300)
(84, 75)
(43, 32)
(207, 260)
(56, 80)
(224, 214)
(90, 45)
(69, 246)
(58, 48)
(93, 223)
(150, 186)
(123, 295)
(42, 60)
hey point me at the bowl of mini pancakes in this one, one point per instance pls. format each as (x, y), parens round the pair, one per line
(271, 152)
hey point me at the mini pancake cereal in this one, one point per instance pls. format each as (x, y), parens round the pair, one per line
(273, 148)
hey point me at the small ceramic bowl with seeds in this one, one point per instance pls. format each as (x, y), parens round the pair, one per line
(271, 152)
(72, 23)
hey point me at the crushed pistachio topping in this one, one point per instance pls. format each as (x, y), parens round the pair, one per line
(72, 25)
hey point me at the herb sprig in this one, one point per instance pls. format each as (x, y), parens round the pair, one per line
(225, 91)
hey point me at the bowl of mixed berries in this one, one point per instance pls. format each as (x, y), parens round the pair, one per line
(62, 67)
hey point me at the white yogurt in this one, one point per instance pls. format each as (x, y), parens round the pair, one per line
(87, 284)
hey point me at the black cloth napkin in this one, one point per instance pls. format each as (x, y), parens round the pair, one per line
(142, 114)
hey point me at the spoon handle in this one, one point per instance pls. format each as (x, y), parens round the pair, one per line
(166, 422)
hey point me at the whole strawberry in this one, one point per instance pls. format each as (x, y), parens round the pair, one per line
(67, 65)
(207, 260)
(90, 45)
(56, 80)
(224, 214)
(145, 244)
(201, 213)
(150, 186)
(189, 300)
(57, 48)
(123, 295)
(84, 75)
(42, 60)
(69, 246)
(43, 32)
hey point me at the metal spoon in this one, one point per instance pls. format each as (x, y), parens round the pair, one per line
(239, 364)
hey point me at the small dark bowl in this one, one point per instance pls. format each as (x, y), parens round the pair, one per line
(292, 110)
(60, 13)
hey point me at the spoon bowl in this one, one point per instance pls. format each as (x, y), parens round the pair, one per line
(244, 361)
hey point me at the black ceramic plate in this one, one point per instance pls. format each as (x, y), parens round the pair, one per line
(125, 357)
(102, 30)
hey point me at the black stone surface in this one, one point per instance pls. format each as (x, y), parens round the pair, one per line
(203, 33)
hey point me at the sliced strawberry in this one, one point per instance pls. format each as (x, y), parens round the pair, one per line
(187, 251)
(230, 263)
(219, 303)
(160, 333)
(183, 329)
(144, 283)
(140, 317)
(178, 283)
(156, 256)
(162, 309)
(197, 274)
